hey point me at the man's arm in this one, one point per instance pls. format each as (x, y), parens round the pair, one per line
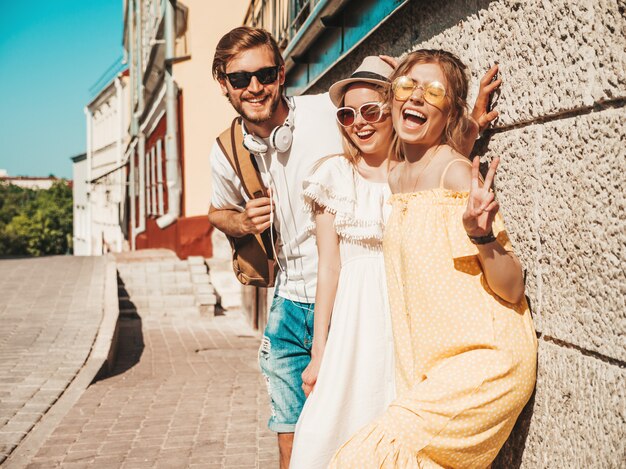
(226, 212)
(254, 219)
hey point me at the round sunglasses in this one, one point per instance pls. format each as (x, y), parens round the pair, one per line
(433, 93)
(370, 112)
(265, 76)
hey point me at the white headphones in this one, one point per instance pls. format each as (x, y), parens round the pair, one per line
(280, 138)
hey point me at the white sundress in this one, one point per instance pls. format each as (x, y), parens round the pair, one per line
(356, 379)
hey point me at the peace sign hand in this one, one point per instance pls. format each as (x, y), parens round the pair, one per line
(481, 204)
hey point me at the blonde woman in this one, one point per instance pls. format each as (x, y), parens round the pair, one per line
(465, 343)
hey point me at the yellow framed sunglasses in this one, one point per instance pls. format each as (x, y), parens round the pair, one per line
(433, 93)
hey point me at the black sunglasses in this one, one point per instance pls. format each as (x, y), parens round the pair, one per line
(265, 76)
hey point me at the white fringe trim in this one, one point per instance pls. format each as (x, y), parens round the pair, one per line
(348, 227)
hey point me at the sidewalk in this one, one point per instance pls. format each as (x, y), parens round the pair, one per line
(185, 392)
(50, 312)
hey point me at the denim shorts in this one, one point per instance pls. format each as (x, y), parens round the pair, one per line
(284, 354)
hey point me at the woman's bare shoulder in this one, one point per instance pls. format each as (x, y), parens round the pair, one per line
(455, 170)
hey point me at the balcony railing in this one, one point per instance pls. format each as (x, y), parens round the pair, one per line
(116, 67)
(301, 10)
(152, 12)
(283, 18)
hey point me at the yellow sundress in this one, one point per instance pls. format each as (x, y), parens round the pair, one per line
(465, 359)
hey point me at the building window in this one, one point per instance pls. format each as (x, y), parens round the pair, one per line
(148, 204)
(153, 184)
(159, 167)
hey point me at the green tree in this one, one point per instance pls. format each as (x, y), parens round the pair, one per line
(13, 199)
(40, 221)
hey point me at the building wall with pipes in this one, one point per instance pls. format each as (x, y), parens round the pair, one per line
(561, 185)
(177, 112)
(107, 135)
(205, 112)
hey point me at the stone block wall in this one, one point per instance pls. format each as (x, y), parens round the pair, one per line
(562, 186)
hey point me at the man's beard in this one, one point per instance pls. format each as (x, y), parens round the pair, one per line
(256, 119)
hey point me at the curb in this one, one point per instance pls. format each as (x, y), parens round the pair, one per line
(98, 364)
(104, 350)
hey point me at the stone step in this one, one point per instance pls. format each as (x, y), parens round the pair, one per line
(204, 288)
(177, 289)
(156, 279)
(200, 278)
(207, 310)
(167, 287)
(206, 300)
(156, 290)
(171, 311)
(195, 260)
(179, 300)
(181, 266)
(227, 288)
(159, 301)
(197, 269)
(153, 267)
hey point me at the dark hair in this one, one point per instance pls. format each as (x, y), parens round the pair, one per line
(238, 40)
(457, 85)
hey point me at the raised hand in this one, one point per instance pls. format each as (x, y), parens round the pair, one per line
(481, 204)
(391, 61)
(481, 114)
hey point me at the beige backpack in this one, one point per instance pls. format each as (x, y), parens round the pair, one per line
(253, 256)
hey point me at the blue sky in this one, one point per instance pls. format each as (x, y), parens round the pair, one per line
(51, 53)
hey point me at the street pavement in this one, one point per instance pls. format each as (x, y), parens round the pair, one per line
(50, 311)
(185, 392)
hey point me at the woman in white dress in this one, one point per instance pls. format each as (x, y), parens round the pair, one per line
(350, 380)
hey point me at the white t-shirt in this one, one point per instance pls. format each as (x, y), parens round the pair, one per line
(315, 135)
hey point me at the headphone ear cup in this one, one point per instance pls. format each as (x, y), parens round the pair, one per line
(254, 145)
(281, 138)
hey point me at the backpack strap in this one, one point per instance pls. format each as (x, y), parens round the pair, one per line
(230, 142)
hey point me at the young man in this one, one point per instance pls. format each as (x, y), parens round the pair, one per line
(251, 73)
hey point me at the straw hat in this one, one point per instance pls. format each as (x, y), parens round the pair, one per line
(373, 69)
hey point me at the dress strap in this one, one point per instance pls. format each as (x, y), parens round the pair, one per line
(445, 170)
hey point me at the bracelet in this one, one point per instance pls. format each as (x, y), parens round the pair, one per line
(489, 238)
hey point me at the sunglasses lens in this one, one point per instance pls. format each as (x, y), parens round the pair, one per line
(267, 75)
(345, 116)
(403, 88)
(371, 112)
(239, 79)
(435, 93)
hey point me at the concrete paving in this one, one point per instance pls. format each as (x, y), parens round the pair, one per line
(50, 312)
(185, 392)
